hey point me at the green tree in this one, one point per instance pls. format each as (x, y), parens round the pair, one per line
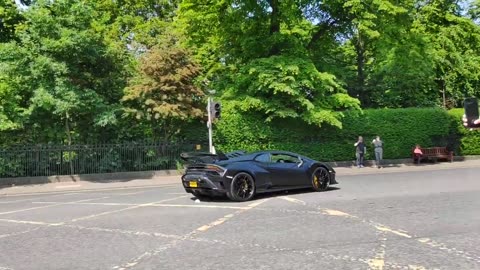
(455, 44)
(64, 79)
(164, 94)
(257, 55)
(10, 18)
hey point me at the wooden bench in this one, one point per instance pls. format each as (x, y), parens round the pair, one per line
(435, 153)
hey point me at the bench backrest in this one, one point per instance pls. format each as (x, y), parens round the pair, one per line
(435, 150)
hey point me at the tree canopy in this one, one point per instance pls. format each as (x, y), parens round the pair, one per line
(77, 70)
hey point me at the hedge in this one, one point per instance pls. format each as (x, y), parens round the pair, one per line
(400, 129)
(468, 141)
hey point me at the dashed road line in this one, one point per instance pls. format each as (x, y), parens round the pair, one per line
(384, 228)
(332, 212)
(290, 199)
(378, 262)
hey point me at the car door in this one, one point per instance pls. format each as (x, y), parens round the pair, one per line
(287, 170)
(264, 180)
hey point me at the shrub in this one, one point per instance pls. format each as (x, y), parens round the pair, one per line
(400, 129)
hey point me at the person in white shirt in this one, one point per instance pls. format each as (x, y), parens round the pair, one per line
(378, 144)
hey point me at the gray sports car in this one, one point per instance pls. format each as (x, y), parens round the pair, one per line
(240, 175)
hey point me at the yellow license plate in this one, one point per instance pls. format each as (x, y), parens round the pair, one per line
(193, 184)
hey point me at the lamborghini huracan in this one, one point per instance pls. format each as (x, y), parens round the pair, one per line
(240, 175)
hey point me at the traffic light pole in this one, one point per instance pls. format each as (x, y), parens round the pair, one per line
(209, 125)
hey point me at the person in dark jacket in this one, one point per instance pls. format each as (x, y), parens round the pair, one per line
(360, 151)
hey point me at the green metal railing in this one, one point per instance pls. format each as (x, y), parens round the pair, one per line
(47, 160)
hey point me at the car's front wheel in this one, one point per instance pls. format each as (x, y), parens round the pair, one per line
(242, 187)
(320, 179)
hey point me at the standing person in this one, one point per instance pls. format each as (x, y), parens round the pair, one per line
(360, 151)
(378, 144)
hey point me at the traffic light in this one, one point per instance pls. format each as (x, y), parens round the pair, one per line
(216, 109)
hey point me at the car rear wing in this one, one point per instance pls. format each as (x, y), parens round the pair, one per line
(205, 157)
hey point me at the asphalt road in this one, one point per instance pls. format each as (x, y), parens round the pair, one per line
(416, 220)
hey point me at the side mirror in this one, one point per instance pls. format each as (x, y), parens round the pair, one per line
(300, 163)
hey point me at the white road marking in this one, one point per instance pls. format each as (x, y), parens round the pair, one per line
(5, 268)
(405, 234)
(129, 232)
(18, 233)
(229, 216)
(155, 204)
(387, 229)
(87, 203)
(332, 212)
(50, 205)
(33, 199)
(125, 209)
(30, 222)
(290, 199)
(416, 267)
(450, 250)
(130, 193)
(160, 186)
(378, 262)
(190, 235)
(200, 206)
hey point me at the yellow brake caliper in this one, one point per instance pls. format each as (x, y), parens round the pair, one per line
(315, 181)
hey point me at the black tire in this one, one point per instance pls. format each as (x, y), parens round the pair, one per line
(242, 187)
(320, 179)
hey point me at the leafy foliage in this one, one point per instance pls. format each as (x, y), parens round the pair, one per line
(165, 90)
(400, 129)
(61, 74)
(10, 18)
(289, 87)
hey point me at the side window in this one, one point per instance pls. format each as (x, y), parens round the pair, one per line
(281, 158)
(265, 158)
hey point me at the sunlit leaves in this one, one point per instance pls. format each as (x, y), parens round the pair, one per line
(165, 89)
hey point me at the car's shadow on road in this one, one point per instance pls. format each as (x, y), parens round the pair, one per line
(261, 196)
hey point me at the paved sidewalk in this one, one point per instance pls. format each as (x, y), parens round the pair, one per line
(174, 180)
(410, 167)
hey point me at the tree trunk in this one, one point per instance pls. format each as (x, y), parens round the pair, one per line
(360, 85)
(274, 24)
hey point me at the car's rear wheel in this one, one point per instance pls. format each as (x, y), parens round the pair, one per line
(320, 179)
(242, 187)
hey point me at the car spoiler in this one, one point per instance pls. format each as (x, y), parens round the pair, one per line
(205, 157)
